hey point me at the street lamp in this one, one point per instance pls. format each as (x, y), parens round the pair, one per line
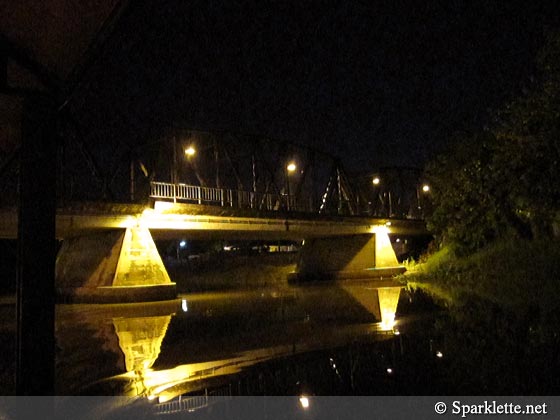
(190, 151)
(290, 168)
(425, 190)
(376, 181)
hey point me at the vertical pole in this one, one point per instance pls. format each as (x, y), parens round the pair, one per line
(61, 181)
(174, 170)
(313, 195)
(254, 168)
(217, 163)
(131, 177)
(339, 188)
(418, 212)
(287, 189)
(35, 294)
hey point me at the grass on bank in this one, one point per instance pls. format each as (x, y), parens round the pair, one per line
(513, 274)
(500, 329)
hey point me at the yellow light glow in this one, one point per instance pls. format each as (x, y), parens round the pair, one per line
(388, 302)
(384, 254)
(439, 354)
(387, 320)
(138, 256)
(190, 151)
(162, 206)
(304, 401)
(291, 167)
(376, 181)
(380, 229)
(425, 188)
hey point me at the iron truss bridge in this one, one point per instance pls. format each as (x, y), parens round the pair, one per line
(221, 169)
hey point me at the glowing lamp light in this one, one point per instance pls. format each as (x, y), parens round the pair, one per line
(387, 321)
(304, 401)
(389, 371)
(426, 188)
(184, 305)
(162, 206)
(183, 243)
(190, 151)
(376, 181)
(439, 354)
(291, 167)
(381, 229)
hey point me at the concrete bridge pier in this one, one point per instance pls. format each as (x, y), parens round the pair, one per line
(363, 256)
(120, 265)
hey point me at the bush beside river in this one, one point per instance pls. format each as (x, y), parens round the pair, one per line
(514, 274)
(502, 325)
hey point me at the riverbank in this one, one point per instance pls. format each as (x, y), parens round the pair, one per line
(232, 272)
(515, 274)
(501, 327)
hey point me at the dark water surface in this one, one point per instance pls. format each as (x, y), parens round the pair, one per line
(345, 338)
(334, 339)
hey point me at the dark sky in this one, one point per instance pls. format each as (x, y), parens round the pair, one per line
(379, 83)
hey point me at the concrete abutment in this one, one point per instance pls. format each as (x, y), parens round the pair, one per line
(123, 265)
(347, 257)
(112, 266)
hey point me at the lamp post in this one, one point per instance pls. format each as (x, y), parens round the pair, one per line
(425, 190)
(376, 181)
(291, 167)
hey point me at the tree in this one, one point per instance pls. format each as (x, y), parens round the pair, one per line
(506, 179)
(466, 212)
(528, 130)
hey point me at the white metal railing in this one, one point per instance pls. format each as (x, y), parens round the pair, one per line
(226, 197)
(193, 403)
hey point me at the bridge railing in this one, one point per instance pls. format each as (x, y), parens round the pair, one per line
(227, 197)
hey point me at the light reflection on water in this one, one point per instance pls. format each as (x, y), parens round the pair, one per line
(168, 349)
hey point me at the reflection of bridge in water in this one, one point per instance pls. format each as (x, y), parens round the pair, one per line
(203, 348)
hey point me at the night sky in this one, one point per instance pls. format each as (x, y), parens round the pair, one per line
(378, 83)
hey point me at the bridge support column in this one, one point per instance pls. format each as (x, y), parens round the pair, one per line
(35, 344)
(114, 266)
(347, 257)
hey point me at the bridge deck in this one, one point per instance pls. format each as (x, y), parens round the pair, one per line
(207, 222)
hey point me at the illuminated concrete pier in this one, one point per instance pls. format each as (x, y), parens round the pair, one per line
(348, 257)
(113, 266)
(108, 253)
